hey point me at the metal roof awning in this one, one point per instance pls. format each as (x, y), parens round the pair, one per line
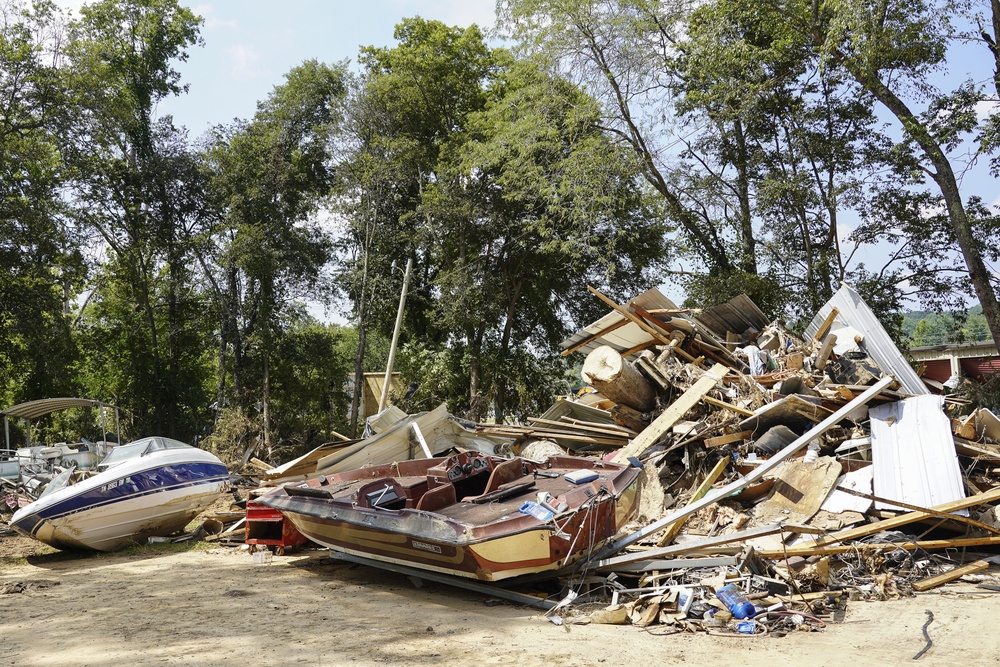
(41, 407)
(631, 333)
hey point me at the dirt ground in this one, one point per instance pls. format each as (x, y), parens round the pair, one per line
(159, 606)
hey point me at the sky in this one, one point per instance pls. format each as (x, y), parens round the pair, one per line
(251, 44)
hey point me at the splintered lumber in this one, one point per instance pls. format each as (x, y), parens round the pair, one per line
(926, 545)
(721, 440)
(698, 494)
(950, 575)
(674, 412)
(756, 474)
(728, 406)
(903, 519)
(617, 379)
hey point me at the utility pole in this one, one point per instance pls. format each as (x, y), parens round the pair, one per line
(395, 336)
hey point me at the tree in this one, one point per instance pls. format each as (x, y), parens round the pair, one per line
(892, 50)
(270, 176)
(40, 263)
(123, 162)
(547, 205)
(511, 200)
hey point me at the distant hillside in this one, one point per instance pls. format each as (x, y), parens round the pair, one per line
(929, 328)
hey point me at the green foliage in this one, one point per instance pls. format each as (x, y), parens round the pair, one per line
(40, 264)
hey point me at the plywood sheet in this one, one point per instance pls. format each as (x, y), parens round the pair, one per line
(799, 490)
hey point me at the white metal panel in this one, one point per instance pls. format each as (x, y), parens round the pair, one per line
(854, 312)
(913, 453)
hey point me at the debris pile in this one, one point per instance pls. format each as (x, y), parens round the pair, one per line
(803, 471)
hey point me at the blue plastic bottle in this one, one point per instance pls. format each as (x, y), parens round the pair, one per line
(738, 605)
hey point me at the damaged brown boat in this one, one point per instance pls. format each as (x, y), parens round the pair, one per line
(470, 515)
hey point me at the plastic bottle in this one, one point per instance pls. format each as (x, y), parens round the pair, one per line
(738, 605)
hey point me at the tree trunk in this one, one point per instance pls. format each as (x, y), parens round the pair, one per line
(617, 379)
(359, 377)
(944, 176)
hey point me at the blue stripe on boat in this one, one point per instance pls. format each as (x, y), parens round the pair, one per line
(127, 487)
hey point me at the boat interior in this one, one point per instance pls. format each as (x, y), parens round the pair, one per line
(465, 486)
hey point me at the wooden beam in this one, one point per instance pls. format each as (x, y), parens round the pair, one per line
(903, 519)
(652, 433)
(632, 317)
(612, 431)
(823, 328)
(593, 337)
(916, 508)
(651, 554)
(758, 472)
(698, 494)
(927, 545)
(950, 575)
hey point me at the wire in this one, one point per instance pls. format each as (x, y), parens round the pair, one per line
(930, 619)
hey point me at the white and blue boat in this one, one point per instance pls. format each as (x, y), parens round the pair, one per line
(151, 487)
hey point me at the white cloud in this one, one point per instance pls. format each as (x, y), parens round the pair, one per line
(243, 62)
(986, 108)
(212, 21)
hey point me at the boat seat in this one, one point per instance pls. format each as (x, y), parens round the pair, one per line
(436, 498)
(505, 473)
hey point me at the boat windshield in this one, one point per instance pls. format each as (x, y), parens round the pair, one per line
(134, 450)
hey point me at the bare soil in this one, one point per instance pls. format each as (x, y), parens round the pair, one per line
(160, 605)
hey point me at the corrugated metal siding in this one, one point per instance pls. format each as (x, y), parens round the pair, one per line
(913, 453)
(854, 312)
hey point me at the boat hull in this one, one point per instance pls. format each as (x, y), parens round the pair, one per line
(466, 540)
(126, 504)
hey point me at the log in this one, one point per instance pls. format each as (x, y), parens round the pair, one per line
(617, 379)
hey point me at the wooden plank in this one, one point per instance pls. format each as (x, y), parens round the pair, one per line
(966, 448)
(720, 440)
(950, 575)
(698, 494)
(652, 433)
(903, 519)
(927, 545)
(632, 317)
(823, 328)
(573, 428)
(699, 545)
(728, 406)
(915, 508)
(758, 472)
